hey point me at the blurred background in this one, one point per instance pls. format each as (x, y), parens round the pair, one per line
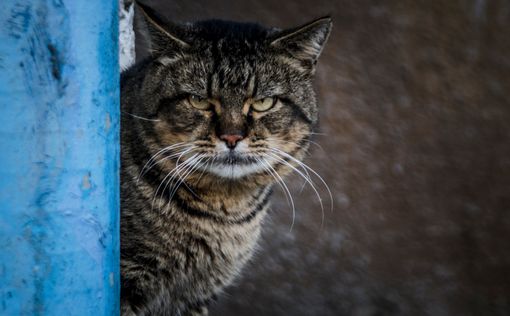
(415, 146)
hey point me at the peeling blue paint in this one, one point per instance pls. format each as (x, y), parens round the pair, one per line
(59, 135)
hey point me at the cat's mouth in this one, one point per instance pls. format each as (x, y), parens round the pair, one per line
(235, 165)
(233, 158)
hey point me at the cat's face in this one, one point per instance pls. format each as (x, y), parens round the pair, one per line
(232, 99)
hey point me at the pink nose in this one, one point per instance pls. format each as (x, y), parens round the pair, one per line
(231, 140)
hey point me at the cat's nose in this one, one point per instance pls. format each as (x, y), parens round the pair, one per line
(231, 139)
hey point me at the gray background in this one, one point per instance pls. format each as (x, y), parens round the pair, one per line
(415, 116)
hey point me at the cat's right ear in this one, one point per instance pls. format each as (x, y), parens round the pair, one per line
(306, 42)
(164, 37)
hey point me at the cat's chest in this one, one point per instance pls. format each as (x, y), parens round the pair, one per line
(223, 236)
(197, 241)
(225, 244)
(215, 253)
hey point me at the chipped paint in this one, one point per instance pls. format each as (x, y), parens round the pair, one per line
(85, 184)
(108, 121)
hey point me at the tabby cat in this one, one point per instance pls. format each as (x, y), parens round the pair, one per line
(211, 120)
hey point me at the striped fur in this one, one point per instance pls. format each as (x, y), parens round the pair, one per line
(183, 242)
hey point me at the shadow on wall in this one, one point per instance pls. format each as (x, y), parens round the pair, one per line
(415, 147)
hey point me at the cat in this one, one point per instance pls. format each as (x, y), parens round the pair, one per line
(216, 115)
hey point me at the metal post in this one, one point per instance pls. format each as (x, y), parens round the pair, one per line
(59, 157)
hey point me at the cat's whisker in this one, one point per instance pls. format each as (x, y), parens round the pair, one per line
(182, 180)
(168, 175)
(194, 168)
(305, 175)
(284, 154)
(169, 157)
(190, 169)
(296, 143)
(309, 177)
(166, 149)
(176, 175)
(304, 169)
(176, 154)
(266, 170)
(306, 178)
(171, 173)
(286, 189)
(154, 157)
(140, 117)
(316, 144)
(209, 162)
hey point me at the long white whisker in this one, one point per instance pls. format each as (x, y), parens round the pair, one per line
(140, 117)
(176, 175)
(182, 180)
(177, 154)
(266, 169)
(276, 150)
(286, 190)
(164, 179)
(320, 134)
(295, 143)
(304, 169)
(307, 179)
(209, 161)
(307, 175)
(160, 152)
(192, 163)
(164, 150)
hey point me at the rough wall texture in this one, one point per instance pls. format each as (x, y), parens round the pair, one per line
(416, 147)
(59, 158)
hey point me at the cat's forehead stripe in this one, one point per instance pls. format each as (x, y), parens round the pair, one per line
(250, 91)
(227, 75)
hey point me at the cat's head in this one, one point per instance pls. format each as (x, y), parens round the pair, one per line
(235, 97)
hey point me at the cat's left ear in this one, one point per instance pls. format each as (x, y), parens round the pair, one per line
(305, 42)
(164, 36)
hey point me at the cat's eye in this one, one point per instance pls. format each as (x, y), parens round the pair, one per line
(199, 103)
(263, 104)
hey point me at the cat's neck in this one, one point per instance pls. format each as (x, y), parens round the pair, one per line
(227, 188)
(226, 193)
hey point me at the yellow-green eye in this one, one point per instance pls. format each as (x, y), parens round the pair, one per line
(263, 104)
(199, 103)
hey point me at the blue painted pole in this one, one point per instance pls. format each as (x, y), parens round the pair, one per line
(59, 157)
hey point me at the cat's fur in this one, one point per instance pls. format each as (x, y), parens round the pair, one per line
(181, 247)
